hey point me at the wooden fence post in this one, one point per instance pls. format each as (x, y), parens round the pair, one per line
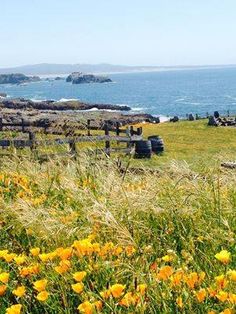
(139, 131)
(88, 127)
(33, 143)
(131, 130)
(72, 148)
(22, 126)
(107, 143)
(118, 128)
(117, 131)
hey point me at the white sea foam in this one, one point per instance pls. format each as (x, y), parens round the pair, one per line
(67, 99)
(37, 100)
(163, 119)
(138, 109)
(180, 99)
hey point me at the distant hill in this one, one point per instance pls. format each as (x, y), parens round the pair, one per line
(54, 69)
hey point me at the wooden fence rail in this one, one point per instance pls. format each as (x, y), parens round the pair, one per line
(131, 136)
(23, 125)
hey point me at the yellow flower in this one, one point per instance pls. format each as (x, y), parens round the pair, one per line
(3, 289)
(191, 279)
(105, 294)
(232, 275)
(65, 253)
(130, 250)
(63, 267)
(20, 259)
(128, 299)
(28, 271)
(232, 298)
(227, 311)
(78, 287)
(201, 295)
(35, 251)
(19, 291)
(211, 312)
(79, 276)
(86, 307)
(98, 305)
(45, 257)
(3, 253)
(42, 296)
(212, 292)
(40, 285)
(222, 296)
(118, 250)
(165, 272)
(167, 258)
(9, 257)
(4, 277)
(14, 309)
(176, 279)
(117, 290)
(142, 288)
(223, 256)
(221, 281)
(179, 302)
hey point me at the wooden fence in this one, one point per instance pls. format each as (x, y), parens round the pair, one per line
(131, 136)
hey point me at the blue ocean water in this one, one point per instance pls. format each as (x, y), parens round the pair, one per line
(160, 93)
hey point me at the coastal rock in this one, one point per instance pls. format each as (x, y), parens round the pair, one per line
(175, 119)
(3, 95)
(22, 103)
(59, 78)
(17, 78)
(81, 78)
(213, 121)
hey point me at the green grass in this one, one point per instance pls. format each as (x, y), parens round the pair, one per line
(143, 228)
(193, 142)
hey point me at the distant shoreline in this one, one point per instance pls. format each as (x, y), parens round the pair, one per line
(51, 70)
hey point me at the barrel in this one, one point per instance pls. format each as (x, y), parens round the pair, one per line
(143, 149)
(157, 144)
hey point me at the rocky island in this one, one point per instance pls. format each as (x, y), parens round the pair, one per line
(81, 78)
(17, 78)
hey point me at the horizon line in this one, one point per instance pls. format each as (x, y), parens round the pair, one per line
(122, 65)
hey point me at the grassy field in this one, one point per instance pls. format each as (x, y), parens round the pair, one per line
(193, 141)
(82, 237)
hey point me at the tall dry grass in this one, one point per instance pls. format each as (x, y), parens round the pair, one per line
(174, 210)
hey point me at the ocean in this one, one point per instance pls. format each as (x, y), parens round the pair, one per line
(166, 93)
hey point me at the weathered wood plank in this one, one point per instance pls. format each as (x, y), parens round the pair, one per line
(89, 139)
(60, 141)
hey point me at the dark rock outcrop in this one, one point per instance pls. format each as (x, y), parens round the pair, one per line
(61, 106)
(213, 121)
(59, 78)
(81, 78)
(17, 78)
(175, 119)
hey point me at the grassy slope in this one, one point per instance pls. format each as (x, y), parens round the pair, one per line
(193, 142)
(186, 213)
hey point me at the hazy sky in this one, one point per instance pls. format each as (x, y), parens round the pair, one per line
(132, 32)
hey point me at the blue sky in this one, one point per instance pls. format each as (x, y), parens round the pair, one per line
(132, 32)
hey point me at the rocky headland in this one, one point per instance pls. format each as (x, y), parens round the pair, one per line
(68, 115)
(17, 78)
(21, 103)
(81, 78)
